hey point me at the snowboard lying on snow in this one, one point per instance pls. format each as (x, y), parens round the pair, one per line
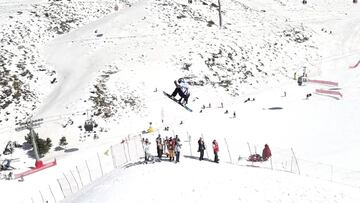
(175, 100)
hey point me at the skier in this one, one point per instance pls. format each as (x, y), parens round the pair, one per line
(266, 154)
(201, 148)
(182, 88)
(216, 150)
(159, 146)
(177, 150)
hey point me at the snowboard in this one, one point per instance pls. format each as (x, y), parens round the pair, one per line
(175, 100)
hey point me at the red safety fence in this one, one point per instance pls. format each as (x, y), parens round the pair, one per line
(356, 65)
(329, 92)
(31, 171)
(324, 82)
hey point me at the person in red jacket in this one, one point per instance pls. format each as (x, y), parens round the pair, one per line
(171, 148)
(216, 150)
(266, 154)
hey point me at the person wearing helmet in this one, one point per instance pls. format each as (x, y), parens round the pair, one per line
(182, 88)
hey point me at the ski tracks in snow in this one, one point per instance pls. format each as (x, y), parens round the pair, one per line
(83, 62)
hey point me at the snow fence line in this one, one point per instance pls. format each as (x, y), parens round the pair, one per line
(131, 150)
(84, 173)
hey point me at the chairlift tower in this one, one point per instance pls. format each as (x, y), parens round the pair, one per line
(30, 125)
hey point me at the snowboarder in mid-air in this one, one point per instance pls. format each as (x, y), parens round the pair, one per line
(182, 88)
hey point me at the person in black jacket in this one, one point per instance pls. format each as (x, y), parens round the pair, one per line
(201, 148)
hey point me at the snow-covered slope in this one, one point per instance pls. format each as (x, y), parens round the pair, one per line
(194, 181)
(89, 61)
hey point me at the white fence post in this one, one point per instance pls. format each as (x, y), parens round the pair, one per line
(52, 193)
(42, 197)
(102, 172)
(136, 150)
(249, 148)
(77, 169)
(332, 171)
(189, 137)
(113, 157)
(128, 148)
(297, 165)
(252, 162)
(227, 146)
(125, 152)
(77, 185)
(87, 166)
(68, 183)
(61, 188)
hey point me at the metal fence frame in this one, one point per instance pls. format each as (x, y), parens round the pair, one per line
(130, 150)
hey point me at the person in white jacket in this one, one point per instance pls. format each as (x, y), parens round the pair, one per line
(177, 150)
(182, 88)
(147, 149)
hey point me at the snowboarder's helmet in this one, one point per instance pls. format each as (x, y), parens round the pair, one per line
(181, 80)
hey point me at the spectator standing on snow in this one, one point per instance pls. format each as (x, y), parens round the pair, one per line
(177, 150)
(216, 150)
(165, 146)
(159, 146)
(201, 148)
(171, 148)
(266, 154)
(147, 149)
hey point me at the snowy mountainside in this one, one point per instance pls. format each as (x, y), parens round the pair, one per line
(254, 50)
(26, 28)
(215, 59)
(176, 36)
(113, 66)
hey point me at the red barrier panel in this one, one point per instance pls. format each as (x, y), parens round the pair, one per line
(356, 65)
(44, 166)
(330, 92)
(324, 82)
